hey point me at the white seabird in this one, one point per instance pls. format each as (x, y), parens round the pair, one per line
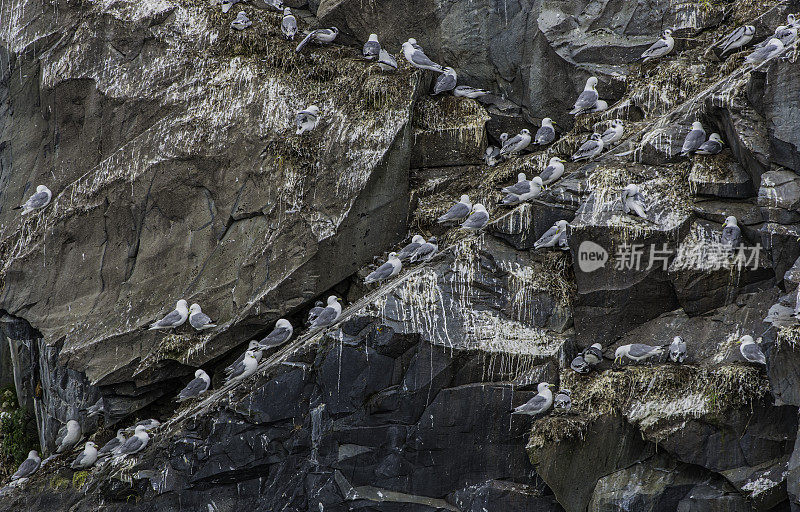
(593, 354)
(553, 171)
(786, 34)
(517, 143)
(37, 201)
(465, 91)
(600, 106)
(148, 424)
(407, 251)
(731, 233)
(546, 133)
(492, 155)
(637, 352)
(280, 334)
(391, 268)
(246, 368)
(319, 36)
(417, 58)
(771, 49)
(330, 314)
(97, 409)
(307, 119)
(613, 133)
(522, 186)
(751, 351)
(580, 365)
(175, 318)
(254, 347)
(534, 191)
(694, 139)
(477, 220)
(199, 320)
(446, 81)
(588, 98)
(274, 4)
(134, 444)
(633, 201)
(289, 24)
(677, 350)
(114, 443)
(555, 236)
(562, 403)
(458, 211)
(590, 149)
(196, 386)
(386, 61)
(425, 251)
(227, 4)
(737, 39)
(710, 147)
(540, 403)
(315, 311)
(86, 458)
(28, 466)
(661, 47)
(68, 436)
(241, 22)
(372, 48)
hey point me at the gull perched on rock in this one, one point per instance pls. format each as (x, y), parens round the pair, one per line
(330, 314)
(465, 91)
(134, 444)
(241, 22)
(580, 365)
(372, 48)
(175, 318)
(417, 58)
(535, 188)
(477, 220)
(710, 147)
(516, 143)
(425, 251)
(590, 149)
(307, 119)
(289, 24)
(555, 236)
(196, 386)
(637, 352)
(407, 251)
(227, 4)
(386, 61)
(458, 211)
(731, 233)
(254, 347)
(246, 368)
(114, 443)
(389, 269)
(28, 466)
(613, 133)
(600, 106)
(546, 133)
(588, 98)
(446, 81)
(199, 320)
(694, 139)
(37, 201)
(553, 171)
(86, 458)
(319, 36)
(786, 34)
(661, 47)
(540, 403)
(97, 409)
(677, 350)
(771, 49)
(562, 403)
(737, 39)
(751, 351)
(68, 436)
(593, 354)
(522, 186)
(280, 334)
(633, 201)
(315, 311)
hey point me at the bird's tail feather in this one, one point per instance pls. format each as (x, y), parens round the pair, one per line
(304, 42)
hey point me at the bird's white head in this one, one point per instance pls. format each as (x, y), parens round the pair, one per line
(521, 177)
(194, 308)
(91, 444)
(730, 221)
(597, 346)
(479, 208)
(418, 239)
(596, 136)
(555, 159)
(543, 386)
(715, 137)
(632, 189)
(617, 122)
(198, 374)
(140, 429)
(547, 122)
(33, 454)
(790, 19)
(250, 353)
(697, 125)
(667, 33)
(392, 255)
(287, 11)
(253, 345)
(503, 137)
(283, 323)
(591, 83)
(181, 305)
(41, 188)
(746, 340)
(465, 199)
(537, 180)
(562, 224)
(373, 38)
(526, 131)
(749, 30)
(411, 40)
(313, 109)
(333, 299)
(677, 339)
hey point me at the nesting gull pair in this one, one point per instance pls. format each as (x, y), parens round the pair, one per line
(527, 190)
(329, 314)
(307, 119)
(419, 249)
(633, 201)
(241, 22)
(589, 149)
(588, 359)
(589, 100)
(661, 47)
(197, 319)
(492, 155)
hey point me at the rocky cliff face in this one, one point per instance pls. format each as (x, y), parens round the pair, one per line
(167, 139)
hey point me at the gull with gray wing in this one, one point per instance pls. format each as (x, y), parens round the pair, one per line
(539, 404)
(458, 211)
(37, 201)
(329, 315)
(280, 334)
(555, 236)
(196, 386)
(174, 319)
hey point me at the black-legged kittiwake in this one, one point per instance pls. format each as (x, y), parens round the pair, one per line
(546, 133)
(96, 409)
(417, 58)
(241, 22)
(386, 61)
(227, 4)
(751, 351)
(522, 186)
(694, 139)
(330, 314)
(415, 45)
(68, 436)
(710, 147)
(677, 350)
(562, 403)
(661, 47)
(426, 251)
(458, 211)
(254, 347)
(492, 155)
(590, 149)
(588, 98)
(637, 352)
(613, 133)
(731, 233)
(199, 320)
(446, 81)
(580, 365)
(196, 386)
(599, 106)
(134, 444)
(307, 119)
(289, 24)
(86, 458)
(593, 354)
(534, 190)
(539, 404)
(787, 34)
(148, 424)
(407, 251)
(37, 201)
(315, 311)
(372, 48)
(319, 36)
(553, 171)
(517, 143)
(280, 334)
(477, 220)
(114, 443)
(465, 91)
(175, 318)
(28, 466)
(737, 39)
(771, 49)
(391, 268)
(245, 368)
(556, 236)
(633, 201)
